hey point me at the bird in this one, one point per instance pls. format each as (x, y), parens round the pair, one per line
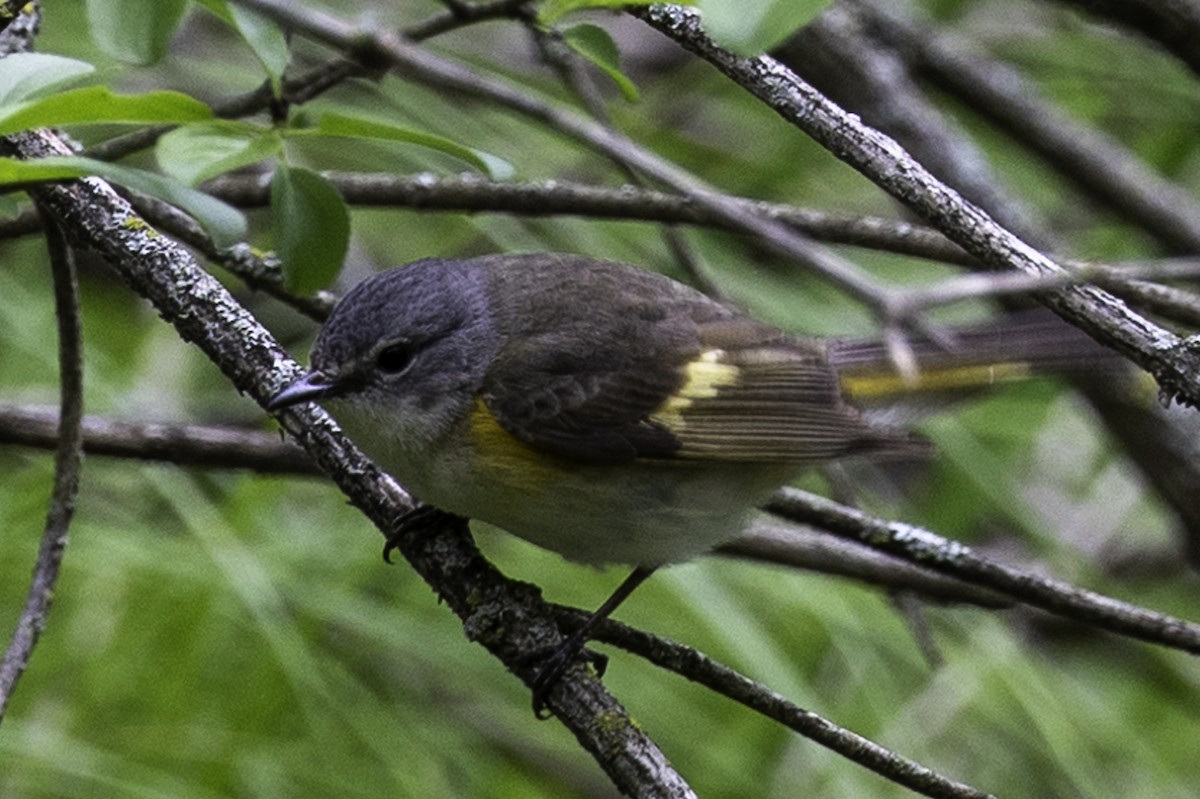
(599, 410)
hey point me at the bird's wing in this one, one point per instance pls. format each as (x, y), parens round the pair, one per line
(681, 382)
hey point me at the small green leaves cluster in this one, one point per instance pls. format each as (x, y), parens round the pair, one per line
(310, 221)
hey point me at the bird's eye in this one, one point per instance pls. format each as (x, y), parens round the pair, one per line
(394, 358)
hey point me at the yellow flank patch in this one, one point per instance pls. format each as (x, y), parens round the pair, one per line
(504, 457)
(870, 386)
(703, 379)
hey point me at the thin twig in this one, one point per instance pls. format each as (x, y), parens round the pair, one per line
(1126, 277)
(950, 557)
(474, 193)
(204, 446)
(461, 14)
(67, 460)
(260, 271)
(719, 678)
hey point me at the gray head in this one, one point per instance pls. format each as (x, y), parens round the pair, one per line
(411, 344)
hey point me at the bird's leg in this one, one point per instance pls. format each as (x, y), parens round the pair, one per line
(419, 520)
(557, 662)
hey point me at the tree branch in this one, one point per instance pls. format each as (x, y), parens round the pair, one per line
(1156, 438)
(181, 444)
(950, 557)
(835, 54)
(473, 193)
(1095, 162)
(460, 14)
(699, 668)
(1174, 362)
(67, 459)
(509, 619)
(812, 549)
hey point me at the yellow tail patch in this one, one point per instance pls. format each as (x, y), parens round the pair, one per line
(883, 385)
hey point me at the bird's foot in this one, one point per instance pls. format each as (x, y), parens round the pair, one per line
(421, 520)
(554, 666)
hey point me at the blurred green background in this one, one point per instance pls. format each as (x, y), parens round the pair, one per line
(222, 634)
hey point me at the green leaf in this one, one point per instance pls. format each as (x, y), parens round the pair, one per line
(9, 206)
(593, 43)
(194, 153)
(552, 10)
(266, 39)
(224, 223)
(751, 27)
(312, 228)
(134, 31)
(95, 104)
(218, 8)
(25, 75)
(332, 124)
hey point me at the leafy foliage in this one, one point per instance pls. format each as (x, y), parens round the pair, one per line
(134, 31)
(313, 228)
(594, 44)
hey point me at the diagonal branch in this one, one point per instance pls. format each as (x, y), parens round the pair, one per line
(1092, 160)
(1174, 362)
(950, 557)
(853, 34)
(508, 618)
(719, 678)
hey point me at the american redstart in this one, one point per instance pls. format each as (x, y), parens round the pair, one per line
(604, 412)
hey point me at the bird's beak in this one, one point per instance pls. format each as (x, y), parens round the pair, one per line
(313, 386)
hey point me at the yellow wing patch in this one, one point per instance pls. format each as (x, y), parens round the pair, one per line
(502, 456)
(704, 378)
